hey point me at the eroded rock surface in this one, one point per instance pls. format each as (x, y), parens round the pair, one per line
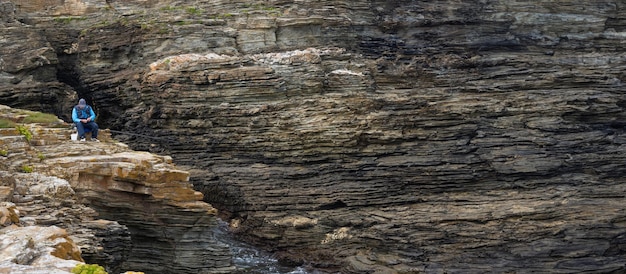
(122, 209)
(402, 136)
(35, 249)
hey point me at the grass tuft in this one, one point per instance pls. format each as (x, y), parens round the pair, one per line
(24, 131)
(69, 19)
(6, 123)
(39, 117)
(27, 169)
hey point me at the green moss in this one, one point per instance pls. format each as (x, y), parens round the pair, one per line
(194, 10)
(88, 269)
(24, 131)
(153, 25)
(6, 123)
(69, 19)
(169, 8)
(4, 152)
(259, 7)
(27, 169)
(41, 156)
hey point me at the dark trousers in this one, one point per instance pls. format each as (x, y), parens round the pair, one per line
(90, 125)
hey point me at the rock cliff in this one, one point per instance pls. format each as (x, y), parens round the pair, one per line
(362, 136)
(122, 209)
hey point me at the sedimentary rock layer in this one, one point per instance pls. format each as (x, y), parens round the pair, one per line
(436, 136)
(126, 210)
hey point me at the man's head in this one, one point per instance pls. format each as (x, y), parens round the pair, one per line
(82, 103)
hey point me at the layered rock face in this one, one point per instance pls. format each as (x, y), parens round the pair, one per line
(122, 209)
(28, 67)
(404, 136)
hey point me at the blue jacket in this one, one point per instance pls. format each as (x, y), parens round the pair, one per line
(84, 113)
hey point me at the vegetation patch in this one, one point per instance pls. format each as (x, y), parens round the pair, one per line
(188, 9)
(153, 25)
(4, 152)
(194, 10)
(88, 269)
(39, 117)
(169, 8)
(6, 123)
(24, 131)
(69, 19)
(27, 169)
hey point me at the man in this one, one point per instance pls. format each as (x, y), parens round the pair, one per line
(83, 116)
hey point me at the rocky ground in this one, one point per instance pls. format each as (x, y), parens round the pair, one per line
(403, 136)
(64, 202)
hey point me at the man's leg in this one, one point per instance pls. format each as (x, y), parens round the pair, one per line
(81, 130)
(94, 129)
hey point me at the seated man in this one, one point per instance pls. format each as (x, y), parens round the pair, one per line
(83, 116)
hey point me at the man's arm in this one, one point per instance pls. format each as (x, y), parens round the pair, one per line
(75, 116)
(93, 115)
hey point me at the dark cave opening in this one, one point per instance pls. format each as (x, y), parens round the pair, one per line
(67, 73)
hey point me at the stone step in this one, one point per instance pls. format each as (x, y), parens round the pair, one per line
(8, 131)
(12, 139)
